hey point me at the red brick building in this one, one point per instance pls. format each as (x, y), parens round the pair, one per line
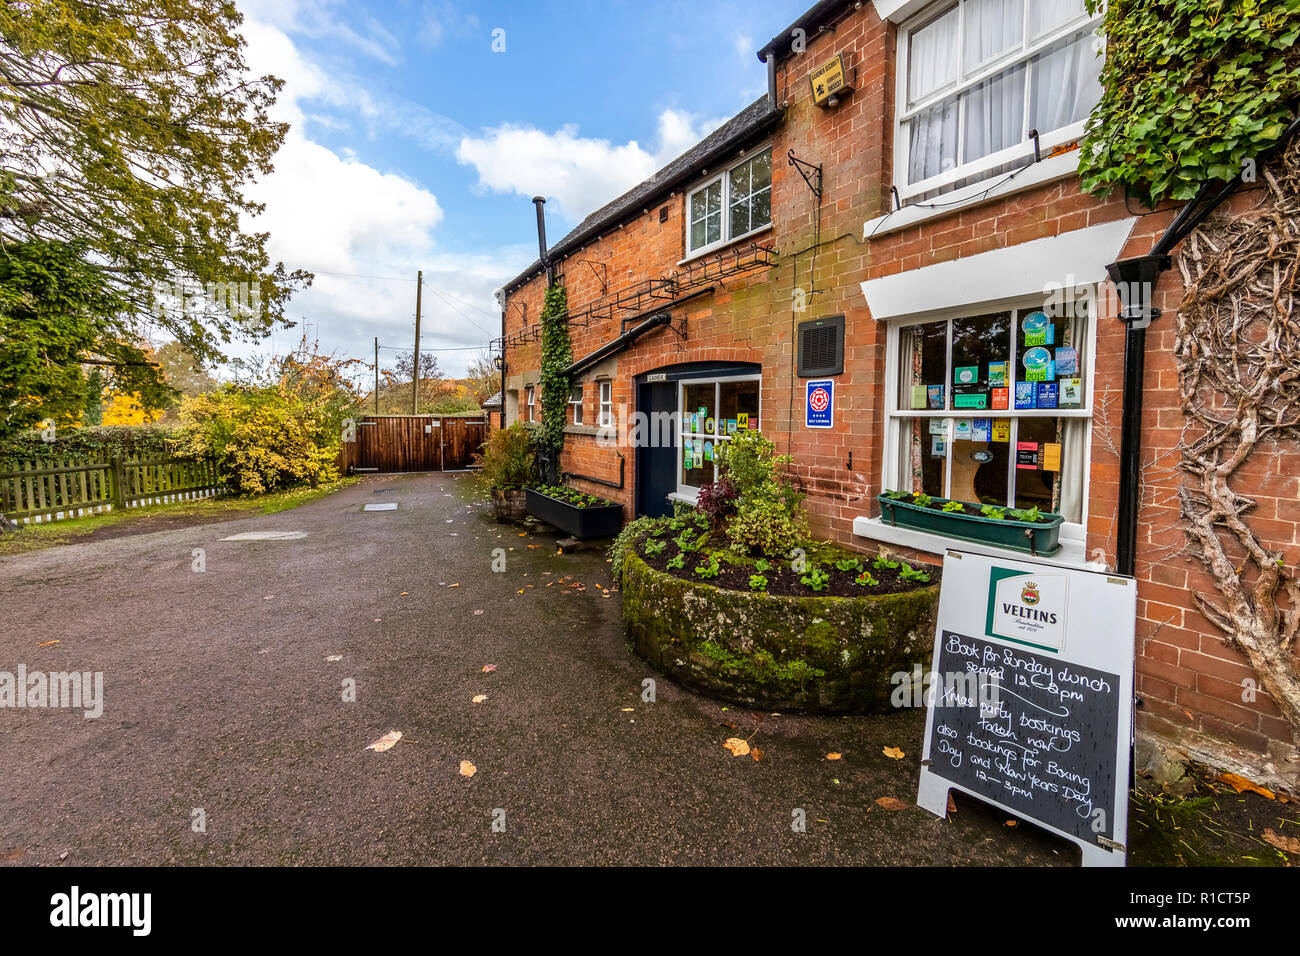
(914, 232)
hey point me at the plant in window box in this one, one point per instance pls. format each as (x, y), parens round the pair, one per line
(1026, 529)
(507, 465)
(576, 512)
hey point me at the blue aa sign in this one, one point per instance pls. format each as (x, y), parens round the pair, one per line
(820, 408)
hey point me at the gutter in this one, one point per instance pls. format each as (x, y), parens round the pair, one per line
(657, 317)
(780, 47)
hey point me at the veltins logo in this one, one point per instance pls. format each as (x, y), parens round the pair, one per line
(1027, 608)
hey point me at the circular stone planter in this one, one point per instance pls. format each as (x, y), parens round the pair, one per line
(826, 654)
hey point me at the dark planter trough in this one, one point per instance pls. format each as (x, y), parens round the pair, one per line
(602, 521)
(1034, 537)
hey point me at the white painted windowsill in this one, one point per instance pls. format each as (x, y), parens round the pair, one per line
(1070, 555)
(1053, 168)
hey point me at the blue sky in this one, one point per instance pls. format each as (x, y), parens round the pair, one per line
(415, 146)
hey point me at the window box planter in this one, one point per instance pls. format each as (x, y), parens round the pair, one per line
(1033, 537)
(603, 520)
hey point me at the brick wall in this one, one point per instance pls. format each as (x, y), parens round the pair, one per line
(1189, 680)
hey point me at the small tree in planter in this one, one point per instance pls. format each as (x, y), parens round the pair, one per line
(508, 466)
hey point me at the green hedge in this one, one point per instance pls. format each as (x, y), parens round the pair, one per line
(98, 442)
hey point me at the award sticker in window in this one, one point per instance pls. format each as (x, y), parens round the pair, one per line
(1027, 455)
(708, 426)
(1071, 392)
(1067, 361)
(1051, 457)
(967, 375)
(938, 447)
(939, 426)
(1038, 329)
(708, 451)
(731, 426)
(1001, 396)
(1039, 366)
(962, 429)
(742, 420)
(997, 374)
(1002, 429)
(935, 394)
(982, 429)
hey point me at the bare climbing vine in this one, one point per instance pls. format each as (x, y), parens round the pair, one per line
(1238, 361)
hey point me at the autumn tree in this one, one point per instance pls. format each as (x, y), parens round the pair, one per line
(133, 128)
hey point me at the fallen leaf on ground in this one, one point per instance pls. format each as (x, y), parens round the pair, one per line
(1011, 823)
(385, 742)
(757, 753)
(729, 725)
(334, 657)
(47, 644)
(737, 746)
(1241, 784)
(952, 807)
(893, 753)
(13, 855)
(478, 699)
(833, 756)
(892, 803)
(1290, 844)
(489, 668)
(467, 769)
(626, 709)
(456, 585)
(479, 611)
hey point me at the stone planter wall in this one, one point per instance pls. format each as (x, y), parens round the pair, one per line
(760, 650)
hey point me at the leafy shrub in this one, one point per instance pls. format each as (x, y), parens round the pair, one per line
(757, 582)
(710, 569)
(816, 578)
(631, 532)
(677, 562)
(848, 564)
(264, 438)
(951, 506)
(866, 580)
(764, 524)
(99, 442)
(909, 573)
(717, 500)
(762, 566)
(653, 548)
(508, 460)
(990, 511)
(883, 563)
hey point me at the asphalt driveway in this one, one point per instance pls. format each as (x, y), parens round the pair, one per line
(218, 697)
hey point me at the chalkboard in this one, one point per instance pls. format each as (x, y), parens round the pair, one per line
(1038, 734)
(1030, 697)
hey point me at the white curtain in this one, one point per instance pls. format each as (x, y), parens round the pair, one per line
(992, 27)
(932, 56)
(995, 114)
(1066, 85)
(1045, 15)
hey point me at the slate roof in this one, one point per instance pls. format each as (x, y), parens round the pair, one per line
(757, 116)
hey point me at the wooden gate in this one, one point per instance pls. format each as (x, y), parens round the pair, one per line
(389, 443)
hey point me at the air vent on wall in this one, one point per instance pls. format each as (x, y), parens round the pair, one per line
(821, 346)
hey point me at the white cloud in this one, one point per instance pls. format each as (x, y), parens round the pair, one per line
(364, 231)
(744, 45)
(578, 173)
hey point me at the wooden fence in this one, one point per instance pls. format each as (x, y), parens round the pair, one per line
(396, 443)
(34, 491)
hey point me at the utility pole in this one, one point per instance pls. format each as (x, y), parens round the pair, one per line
(376, 375)
(415, 371)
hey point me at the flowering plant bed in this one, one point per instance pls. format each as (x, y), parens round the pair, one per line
(576, 512)
(1027, 529)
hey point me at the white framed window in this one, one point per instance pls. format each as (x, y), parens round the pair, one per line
(976, 76)
(993, 406)
(735, 203)
(575, 403)
(712, 410)
(532, 403)
(606, 412)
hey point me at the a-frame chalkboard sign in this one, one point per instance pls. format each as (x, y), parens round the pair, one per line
(1031, 697)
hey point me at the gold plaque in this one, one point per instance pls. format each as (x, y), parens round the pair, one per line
(829, 80)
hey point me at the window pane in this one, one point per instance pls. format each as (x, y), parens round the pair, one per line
(760, 213)
(1049, 361)
(698, 202)
(1049, 465)
(713, 228)
(740, 181)
(713, 196)
(932, 141)
(932, 56)
(761, 171)
(1066, 84)
(995, 113)
(980, 357)
(923, 351)
(697, 234)
(992, 27)
(925, 450)
(737, 399)
(740, 216)
(979, 461)
(1045, 15)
